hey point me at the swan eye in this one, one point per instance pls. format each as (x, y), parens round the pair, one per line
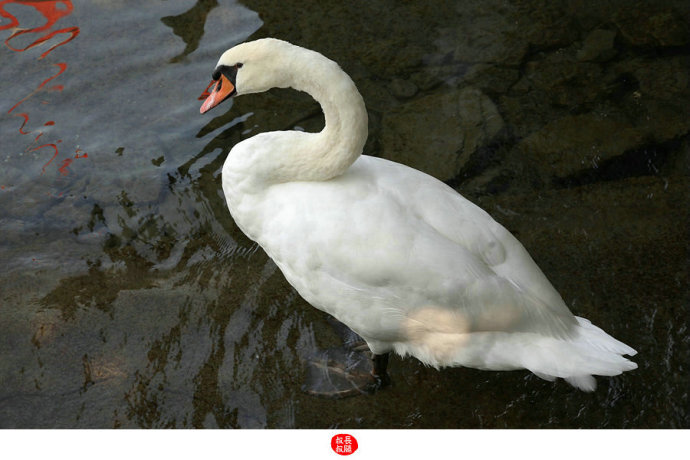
(228, 71)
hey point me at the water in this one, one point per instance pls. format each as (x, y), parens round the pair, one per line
(129, 297)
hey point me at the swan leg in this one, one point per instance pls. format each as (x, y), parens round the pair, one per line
(379, 372)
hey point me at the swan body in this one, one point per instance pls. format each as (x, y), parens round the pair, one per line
(396, 255)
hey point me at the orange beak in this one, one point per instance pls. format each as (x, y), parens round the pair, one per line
(222, 90)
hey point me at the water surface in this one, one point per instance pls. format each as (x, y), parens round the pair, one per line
(129, 298)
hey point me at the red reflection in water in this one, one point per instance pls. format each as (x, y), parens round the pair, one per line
(63, 167)
(52, 12)
(63, 67)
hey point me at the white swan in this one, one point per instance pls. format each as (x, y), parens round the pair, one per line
(396, 255)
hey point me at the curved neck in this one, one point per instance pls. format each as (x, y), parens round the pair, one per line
(286, 156)
(343, 137)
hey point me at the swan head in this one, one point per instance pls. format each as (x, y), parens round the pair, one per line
(251, 67)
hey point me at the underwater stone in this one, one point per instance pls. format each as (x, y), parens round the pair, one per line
(578, 142)
(491, 78)
(598, 46)
(438, 133)
(640, 28)
(403, 89)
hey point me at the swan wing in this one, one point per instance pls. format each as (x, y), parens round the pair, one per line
(435, 258)
(466, 224)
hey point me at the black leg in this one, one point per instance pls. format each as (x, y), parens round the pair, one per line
(379, 371)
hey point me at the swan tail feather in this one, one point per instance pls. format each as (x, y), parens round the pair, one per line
(591, 351)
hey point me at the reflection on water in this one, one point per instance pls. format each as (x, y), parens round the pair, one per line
(130, 299)
(190, 25)
(52, 12)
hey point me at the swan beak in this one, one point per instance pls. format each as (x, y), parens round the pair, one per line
(222, 90)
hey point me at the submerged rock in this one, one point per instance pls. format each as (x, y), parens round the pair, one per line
(491, 79)
(493, 37)
(438, 133)
(663, 28)
(552, 85)
(598, 46)
(565, 80)
(403, 89)
(573, 143)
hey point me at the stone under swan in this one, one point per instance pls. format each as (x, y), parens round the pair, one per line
(399, 257)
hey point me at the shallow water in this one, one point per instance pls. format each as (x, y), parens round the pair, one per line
(129, 298)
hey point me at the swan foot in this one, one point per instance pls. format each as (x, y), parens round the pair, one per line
(350, 370)
(338, 373)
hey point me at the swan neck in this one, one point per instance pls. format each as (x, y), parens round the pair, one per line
(291, 156)
(330, 152)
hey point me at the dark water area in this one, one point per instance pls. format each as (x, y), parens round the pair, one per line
(129, 298)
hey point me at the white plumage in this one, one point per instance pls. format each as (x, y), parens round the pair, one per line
(396, 255)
